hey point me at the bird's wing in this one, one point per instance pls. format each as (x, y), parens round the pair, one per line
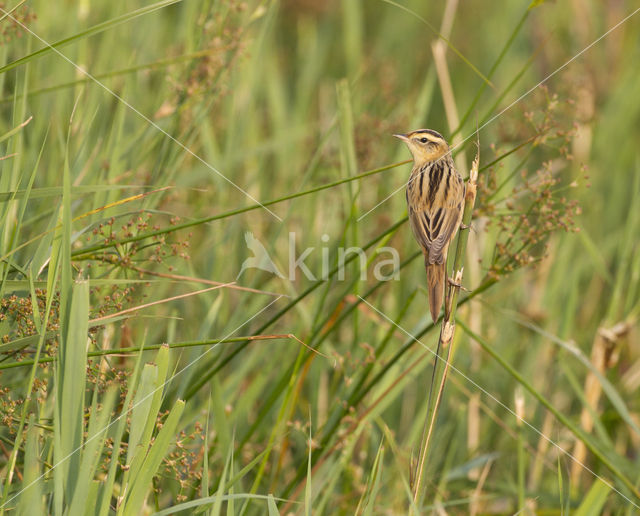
(434, 229)
(421, 226)
(434, 224)
(448, 221)
(451, 221)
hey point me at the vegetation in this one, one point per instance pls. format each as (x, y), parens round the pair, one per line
(149, 149)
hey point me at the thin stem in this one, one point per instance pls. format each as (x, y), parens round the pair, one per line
(575, 429)
(77, 253)
(448, 327)
(136, 349)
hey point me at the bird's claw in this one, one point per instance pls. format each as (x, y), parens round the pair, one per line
(453, 283)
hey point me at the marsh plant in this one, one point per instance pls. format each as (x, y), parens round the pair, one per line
(210, 298)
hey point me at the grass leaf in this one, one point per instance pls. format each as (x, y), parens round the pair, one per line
(141, 484)
(96, 29)
(594, 501)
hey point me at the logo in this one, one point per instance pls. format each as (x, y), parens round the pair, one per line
(383, 269)
(260, 259)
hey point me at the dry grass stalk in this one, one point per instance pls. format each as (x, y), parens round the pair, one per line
(535, 471)
(603, 357)
(447, 330)
(475, 243)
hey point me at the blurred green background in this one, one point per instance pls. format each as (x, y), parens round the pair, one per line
(138, 139)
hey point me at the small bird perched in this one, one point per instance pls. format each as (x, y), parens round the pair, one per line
(435, 199)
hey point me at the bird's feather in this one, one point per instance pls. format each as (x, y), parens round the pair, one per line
(436, 273)
(450, 223)
(435, 197)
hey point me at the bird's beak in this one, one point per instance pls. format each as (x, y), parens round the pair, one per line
(402, 137)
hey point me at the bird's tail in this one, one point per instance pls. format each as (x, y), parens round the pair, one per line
(436, 273)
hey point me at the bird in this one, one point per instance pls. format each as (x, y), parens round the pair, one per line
(435, 201)
(260, 259)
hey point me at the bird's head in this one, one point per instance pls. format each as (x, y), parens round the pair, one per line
(425, 144)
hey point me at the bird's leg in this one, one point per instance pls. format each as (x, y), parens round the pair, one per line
(447, 297)
(464, 226)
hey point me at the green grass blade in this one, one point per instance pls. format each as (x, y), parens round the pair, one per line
(612, 393)
(142, 482)
(223, 429)
(203, 220)
(118, 431)
(217, 506)
(56, 191)
(142, 411)
(373, 485)
(73, 377)
(272, 507)
(74, 316)
(231, 509)
(15, 130)
(441, 36)
(204, 483)
(308, 499)
(593, 503)
(85, 494)
(494, 67)
(210, 499)
(577, 431)
(96, 29)
(31, 501)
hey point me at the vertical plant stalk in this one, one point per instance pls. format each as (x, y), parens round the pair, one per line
(520, 411)
(447, 329)
(604, 344)
(439, 50)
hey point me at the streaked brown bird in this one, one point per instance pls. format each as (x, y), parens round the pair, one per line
(435, 200)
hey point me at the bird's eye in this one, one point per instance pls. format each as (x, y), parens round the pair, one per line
(424, 140)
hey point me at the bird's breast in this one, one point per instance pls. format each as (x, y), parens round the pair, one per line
(428, 185)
